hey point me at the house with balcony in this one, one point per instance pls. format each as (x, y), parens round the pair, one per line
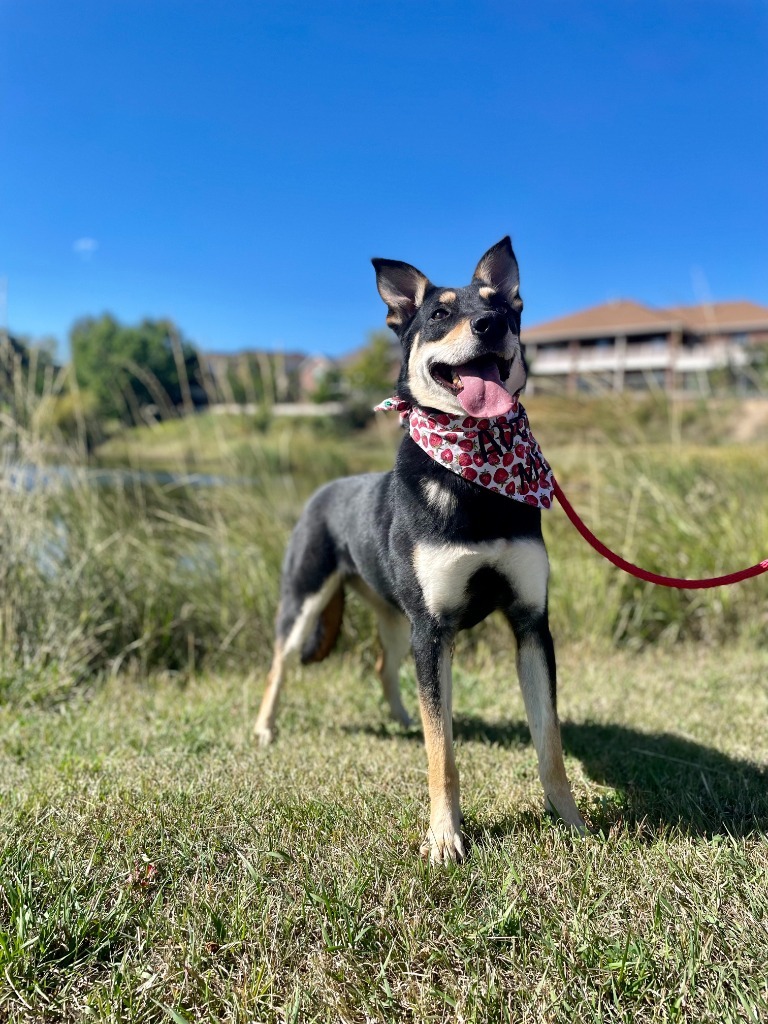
(625, 345)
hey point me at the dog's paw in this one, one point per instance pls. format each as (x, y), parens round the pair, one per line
(263, 734)
(401, 716)
(443, 846)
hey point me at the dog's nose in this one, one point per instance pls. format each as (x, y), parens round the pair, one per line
(489, 327)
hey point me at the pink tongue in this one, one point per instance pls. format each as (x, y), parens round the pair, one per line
(483, 394)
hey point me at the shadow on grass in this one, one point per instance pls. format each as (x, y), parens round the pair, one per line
(659, 779)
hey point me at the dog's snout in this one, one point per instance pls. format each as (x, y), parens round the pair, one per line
(489, 326)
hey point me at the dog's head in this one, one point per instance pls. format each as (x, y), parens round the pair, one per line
(461, 346)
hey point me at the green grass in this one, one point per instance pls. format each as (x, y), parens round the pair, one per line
(168, 576)
(208, 441)
(156, 865)
(247, 446)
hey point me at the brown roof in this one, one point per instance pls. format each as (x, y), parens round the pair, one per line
(714, 316)
(617, 317)
(625, 316)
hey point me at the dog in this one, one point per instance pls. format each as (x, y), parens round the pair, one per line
(430, 550)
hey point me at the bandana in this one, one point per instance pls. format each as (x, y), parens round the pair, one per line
(500, 454)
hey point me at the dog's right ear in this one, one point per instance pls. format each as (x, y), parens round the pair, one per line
(402, 287)
(498, 269)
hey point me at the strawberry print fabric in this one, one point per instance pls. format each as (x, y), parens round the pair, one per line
(499, 454)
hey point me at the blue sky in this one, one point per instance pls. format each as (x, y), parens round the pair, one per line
(234, 166)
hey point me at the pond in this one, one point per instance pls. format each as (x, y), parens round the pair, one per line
(30, 477)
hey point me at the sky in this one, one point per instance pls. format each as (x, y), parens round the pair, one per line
(235, 166)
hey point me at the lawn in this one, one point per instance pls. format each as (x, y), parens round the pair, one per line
(156, 865)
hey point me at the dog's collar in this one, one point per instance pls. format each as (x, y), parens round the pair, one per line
(499, 454)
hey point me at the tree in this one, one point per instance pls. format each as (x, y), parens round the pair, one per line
(26, 365)
(29, 377)
(132, 370)
(372, 373)
(330, 387)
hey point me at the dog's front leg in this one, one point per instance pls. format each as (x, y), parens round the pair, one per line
(432, 654)
(538, 681)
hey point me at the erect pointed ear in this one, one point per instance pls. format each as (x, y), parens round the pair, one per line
(498, 270)
(402, 287)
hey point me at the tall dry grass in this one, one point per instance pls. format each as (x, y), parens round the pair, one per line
(685, 511)
(100, 573)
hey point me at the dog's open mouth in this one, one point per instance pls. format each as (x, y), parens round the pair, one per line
(478, 385)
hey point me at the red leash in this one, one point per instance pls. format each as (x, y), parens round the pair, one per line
(644, 574)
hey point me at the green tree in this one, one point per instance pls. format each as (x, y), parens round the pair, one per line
(757, 366)
(26, 365)
(372, 373)
(330, 387)
(131, 369)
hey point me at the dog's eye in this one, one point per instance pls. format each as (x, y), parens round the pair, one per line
(440, 314)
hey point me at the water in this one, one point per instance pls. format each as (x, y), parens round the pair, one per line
(30, 478)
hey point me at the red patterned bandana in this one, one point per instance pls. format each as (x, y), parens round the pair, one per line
(499, 454)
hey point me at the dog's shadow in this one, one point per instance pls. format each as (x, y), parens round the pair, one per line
(653, 779)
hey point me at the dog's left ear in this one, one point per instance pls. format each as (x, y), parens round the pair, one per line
(498, 270)
(402, 287)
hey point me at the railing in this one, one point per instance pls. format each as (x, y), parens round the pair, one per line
(637, 357)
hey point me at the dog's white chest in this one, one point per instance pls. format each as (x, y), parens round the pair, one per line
(444, 570)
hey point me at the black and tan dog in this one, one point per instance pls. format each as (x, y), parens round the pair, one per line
(432, 552)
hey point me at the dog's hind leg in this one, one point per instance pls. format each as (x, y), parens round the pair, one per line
(307, 626)
(538, 681)
(395, 636)
(264, 728)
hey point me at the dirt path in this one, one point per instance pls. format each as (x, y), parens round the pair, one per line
(752, 420)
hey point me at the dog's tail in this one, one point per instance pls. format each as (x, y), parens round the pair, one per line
(322, 639)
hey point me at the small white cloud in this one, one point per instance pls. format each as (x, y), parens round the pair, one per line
(85, 247)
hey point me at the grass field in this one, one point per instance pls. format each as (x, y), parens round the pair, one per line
(208, 440)
(156, 865)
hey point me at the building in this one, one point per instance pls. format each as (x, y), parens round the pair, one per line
(625, 345)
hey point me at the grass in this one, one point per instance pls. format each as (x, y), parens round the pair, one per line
(248, 445)
(156, 865)
(172, 576)
(207, 441)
